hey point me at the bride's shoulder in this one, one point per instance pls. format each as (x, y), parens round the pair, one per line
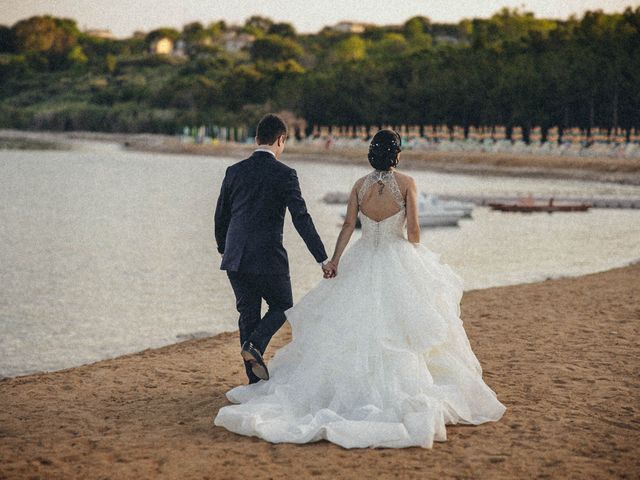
(403, 179)
(402, 176)
(357, 187)
(358, 183)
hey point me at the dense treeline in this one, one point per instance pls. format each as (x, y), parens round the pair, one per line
(510, 69)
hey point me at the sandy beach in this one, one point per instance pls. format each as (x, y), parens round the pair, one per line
(604, 169)
(562, 355)
(616, 170)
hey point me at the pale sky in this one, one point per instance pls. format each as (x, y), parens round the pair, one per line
(122, 17)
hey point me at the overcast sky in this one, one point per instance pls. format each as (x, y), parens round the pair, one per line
(122, 17)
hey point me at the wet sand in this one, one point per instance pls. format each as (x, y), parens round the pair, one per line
(604, 169)
(562, 355)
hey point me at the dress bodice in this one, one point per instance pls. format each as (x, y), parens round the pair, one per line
(391, 227)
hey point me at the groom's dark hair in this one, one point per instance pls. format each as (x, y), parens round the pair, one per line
(270, 127)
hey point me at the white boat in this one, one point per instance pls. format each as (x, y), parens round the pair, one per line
(432, 213)
(432, 200)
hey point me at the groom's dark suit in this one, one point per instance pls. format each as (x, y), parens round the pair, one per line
(249, 221)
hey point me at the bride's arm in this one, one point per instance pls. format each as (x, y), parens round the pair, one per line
(413, 224)
(348, 226)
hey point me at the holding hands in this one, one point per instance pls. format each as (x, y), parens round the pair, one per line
(329, 269)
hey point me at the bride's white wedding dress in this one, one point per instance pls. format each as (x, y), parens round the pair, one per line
(379, 356)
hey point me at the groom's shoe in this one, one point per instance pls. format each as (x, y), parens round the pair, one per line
(252, 355)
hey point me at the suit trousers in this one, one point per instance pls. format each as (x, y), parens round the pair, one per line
(249, 290)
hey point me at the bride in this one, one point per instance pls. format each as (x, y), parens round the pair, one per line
(379, 356)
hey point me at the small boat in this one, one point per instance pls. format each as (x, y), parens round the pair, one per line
(434, 212)
(527, 205)
(433, 201)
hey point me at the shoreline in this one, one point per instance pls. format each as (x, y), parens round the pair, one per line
(600, 169)
(561, 354)
(201, 334)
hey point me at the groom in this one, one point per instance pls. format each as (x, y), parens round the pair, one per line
(249, 219)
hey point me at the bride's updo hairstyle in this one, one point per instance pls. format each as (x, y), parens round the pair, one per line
(384, 149)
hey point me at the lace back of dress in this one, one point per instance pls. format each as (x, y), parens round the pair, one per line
(379, 195)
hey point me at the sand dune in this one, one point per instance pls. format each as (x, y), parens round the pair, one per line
(562, 355)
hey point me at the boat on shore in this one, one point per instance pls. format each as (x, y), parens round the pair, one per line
(431, 201)
(527, 205)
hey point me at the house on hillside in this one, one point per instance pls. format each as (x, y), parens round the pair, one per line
(349, 27)
(179, 48)
(234, 42)
(162, 45)
(100, 33)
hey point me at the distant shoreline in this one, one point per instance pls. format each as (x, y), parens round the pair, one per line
(30, 144)
(599, 169)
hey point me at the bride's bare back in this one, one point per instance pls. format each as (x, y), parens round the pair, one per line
(379, 195)
(386, 198)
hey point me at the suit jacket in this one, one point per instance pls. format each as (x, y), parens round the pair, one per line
(250, 211)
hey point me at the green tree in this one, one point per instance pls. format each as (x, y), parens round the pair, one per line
(110, 63)
(389, 47)
(195, 33)
(76, 56)
(273, 47)
(44, 34)
(416, 28)
(257, 25)
(352, 48)
(7, 40)
(283, 30)
(168, 32)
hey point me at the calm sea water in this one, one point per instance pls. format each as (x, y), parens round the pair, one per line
(105, 252)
